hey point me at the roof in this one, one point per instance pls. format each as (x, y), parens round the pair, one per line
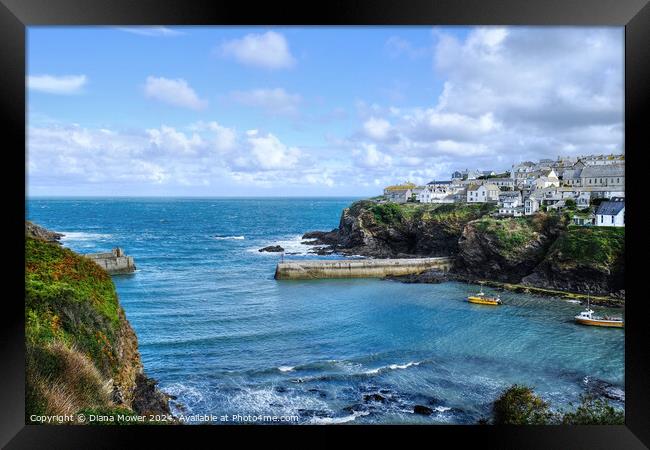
(439, 182)
(400, 187)
(608, 170)
(474, 187)
(505, 194)
(611, 208)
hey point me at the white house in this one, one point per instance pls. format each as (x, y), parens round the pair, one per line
(531, 205)
(547, 179)
(436, 192)
(400, 193)
(482, 193)
(510, 204)
(611, 213)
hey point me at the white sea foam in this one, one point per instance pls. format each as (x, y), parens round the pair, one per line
(81, 236)
(292, 246)
(230, 238)
(336, 420)
(574, 301)
(392, 367)
(286, 368)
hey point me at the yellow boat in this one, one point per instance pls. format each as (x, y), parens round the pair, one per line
(481, 299)
(587, 318)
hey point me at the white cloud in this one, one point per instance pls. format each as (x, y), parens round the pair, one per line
(269, 153)
(269, 50)
(509, 94)
(274, 101)
(376, 128)
(168, 138)
(68, 84)
(174, 92)
(370, 157)
(155, 31)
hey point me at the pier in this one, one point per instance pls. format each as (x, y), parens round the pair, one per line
(113, 262)
(358, 268)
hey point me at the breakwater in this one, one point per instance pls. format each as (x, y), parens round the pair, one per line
(113, 262)
(364, 268)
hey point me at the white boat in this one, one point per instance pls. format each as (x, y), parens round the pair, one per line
(587, 317)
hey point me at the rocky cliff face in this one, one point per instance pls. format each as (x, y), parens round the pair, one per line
(82, 353)
(540, 250)
(398, 231)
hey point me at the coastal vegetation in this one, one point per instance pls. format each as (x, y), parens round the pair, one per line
(519, 405)
(81, 352)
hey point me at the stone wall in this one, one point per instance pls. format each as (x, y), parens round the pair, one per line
(366, 268)
(114, 262)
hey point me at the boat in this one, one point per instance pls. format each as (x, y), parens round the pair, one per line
(587, 317)
(482, 299)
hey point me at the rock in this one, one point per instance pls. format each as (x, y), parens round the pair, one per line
(422, 410)
(271, 248)
(148, 399)
(38, 232)
(374, 398)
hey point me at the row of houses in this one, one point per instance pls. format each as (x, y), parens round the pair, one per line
(531, 187)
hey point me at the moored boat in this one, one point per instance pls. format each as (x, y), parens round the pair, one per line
(587, 317)
(482, 299)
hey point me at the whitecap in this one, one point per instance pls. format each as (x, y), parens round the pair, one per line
(82, 236)
(337, 420)
(286, 368)
(230, 238)
(392, 367)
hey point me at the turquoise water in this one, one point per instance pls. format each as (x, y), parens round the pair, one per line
(223, 336)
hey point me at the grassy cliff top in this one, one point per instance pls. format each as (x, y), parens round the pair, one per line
(595, 246)
(392, 213)
(78, 342)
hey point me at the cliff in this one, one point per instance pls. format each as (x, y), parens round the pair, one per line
(389, 230)
(81, 352)
(540, 251)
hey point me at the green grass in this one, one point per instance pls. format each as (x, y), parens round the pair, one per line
(69, 298)
(597, 246)
(511, 234)
(72, 326)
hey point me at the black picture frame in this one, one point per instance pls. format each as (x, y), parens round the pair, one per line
(16, 15)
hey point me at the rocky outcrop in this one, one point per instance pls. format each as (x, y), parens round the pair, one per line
(389, 230)
(38, 232)
(503, 249)
(272, 248)
(586, 260)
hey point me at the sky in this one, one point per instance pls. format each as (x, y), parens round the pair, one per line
(310, 111)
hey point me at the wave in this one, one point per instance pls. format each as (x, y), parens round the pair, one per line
(286, 368)
(337, 420)
(230, 238)
(83, 236)
(292, 246)
(392, 367)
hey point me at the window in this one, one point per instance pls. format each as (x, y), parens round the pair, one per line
(612, 219)
(601, 219)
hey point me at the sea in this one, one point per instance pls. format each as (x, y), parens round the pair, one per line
(226, 339)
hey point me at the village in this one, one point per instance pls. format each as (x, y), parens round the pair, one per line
(591, 188)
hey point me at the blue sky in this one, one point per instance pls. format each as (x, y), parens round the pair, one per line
(205, 111)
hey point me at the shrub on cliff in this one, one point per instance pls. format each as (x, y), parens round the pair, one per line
(387, 213)
(594, 411)
(518, 405)
(592, 246)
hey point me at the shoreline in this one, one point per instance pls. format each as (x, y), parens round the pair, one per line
(434, 277)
